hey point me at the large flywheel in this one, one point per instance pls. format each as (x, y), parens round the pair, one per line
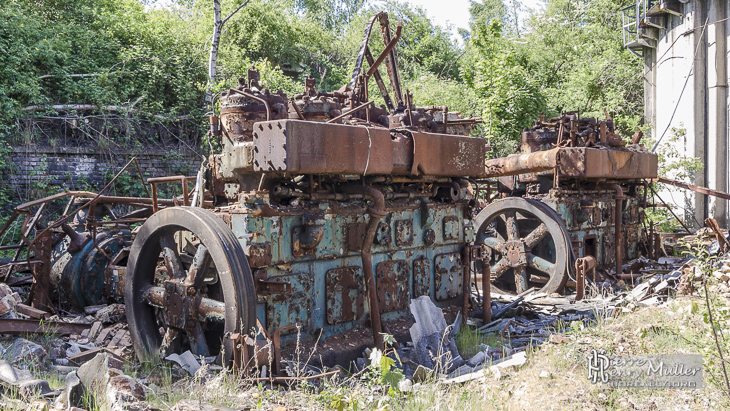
(188, 286)
(529, 247)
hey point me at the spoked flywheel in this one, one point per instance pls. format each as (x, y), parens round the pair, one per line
(528, 245)
(188, 285)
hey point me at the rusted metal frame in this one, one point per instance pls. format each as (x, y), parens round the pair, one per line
(361, 54)
(619, 197)
(28, 225)
(183, 180)
(348, 112)
(91, 203)
(388, 47)
(376, 212)
(379, 81)
(19, 326)
(392, 59)
(277, 346)
(722, 241)
(259, 99)
(122, 221)
(696, 189)
(30, 204)
(670, 210)
(505, 330)
(141, 177)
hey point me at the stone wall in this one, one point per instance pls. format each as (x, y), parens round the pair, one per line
(38, 169)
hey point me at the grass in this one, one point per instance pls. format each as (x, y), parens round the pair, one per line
(554, 376)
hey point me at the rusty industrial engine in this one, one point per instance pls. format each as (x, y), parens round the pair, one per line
(325, 214)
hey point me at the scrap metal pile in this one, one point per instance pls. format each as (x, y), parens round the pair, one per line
(324, 216)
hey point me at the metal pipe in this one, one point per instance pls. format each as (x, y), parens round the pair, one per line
(348, 112)
(465, 285)
(486, 291)
(522, 163)
(376, 212)
(617, 224)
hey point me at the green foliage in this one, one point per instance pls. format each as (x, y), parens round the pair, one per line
(510, 99)
(575, 51)
(125, 54)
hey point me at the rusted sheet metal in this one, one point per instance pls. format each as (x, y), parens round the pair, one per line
(18, 326)
(259, 254)
(290, 307)
(392, 283)
(421, 277)
(315, 148)
(448, 155)
(403, 233)
(522, 163)
(448, 276)
(600, 163)
(302, 147)
(345, 294)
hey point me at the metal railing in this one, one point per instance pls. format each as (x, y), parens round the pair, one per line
(631, 18)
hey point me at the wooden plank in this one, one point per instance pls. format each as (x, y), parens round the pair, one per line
(32, 312)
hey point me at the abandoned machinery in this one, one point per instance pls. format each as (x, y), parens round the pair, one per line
(324, 214)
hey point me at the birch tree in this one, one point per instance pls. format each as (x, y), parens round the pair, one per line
(218, 24)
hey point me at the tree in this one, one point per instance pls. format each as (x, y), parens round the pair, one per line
(510, 99)
(218, 24)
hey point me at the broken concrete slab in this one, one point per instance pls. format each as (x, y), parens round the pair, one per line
(515, 361)
(186, 361)
(433, 345)
(429, 318)
(22, 350)
(24, 381)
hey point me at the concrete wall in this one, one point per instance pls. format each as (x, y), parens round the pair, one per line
(74, 168)
(692, 53)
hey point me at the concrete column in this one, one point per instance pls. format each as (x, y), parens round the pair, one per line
(716, 118)
(699, 99)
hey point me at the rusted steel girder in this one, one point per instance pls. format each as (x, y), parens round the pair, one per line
(696, 189)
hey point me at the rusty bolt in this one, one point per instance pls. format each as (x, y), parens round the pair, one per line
(191, 290)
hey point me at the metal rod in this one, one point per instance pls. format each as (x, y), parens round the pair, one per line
(391, 44)
(348, 112)
(669, 208)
